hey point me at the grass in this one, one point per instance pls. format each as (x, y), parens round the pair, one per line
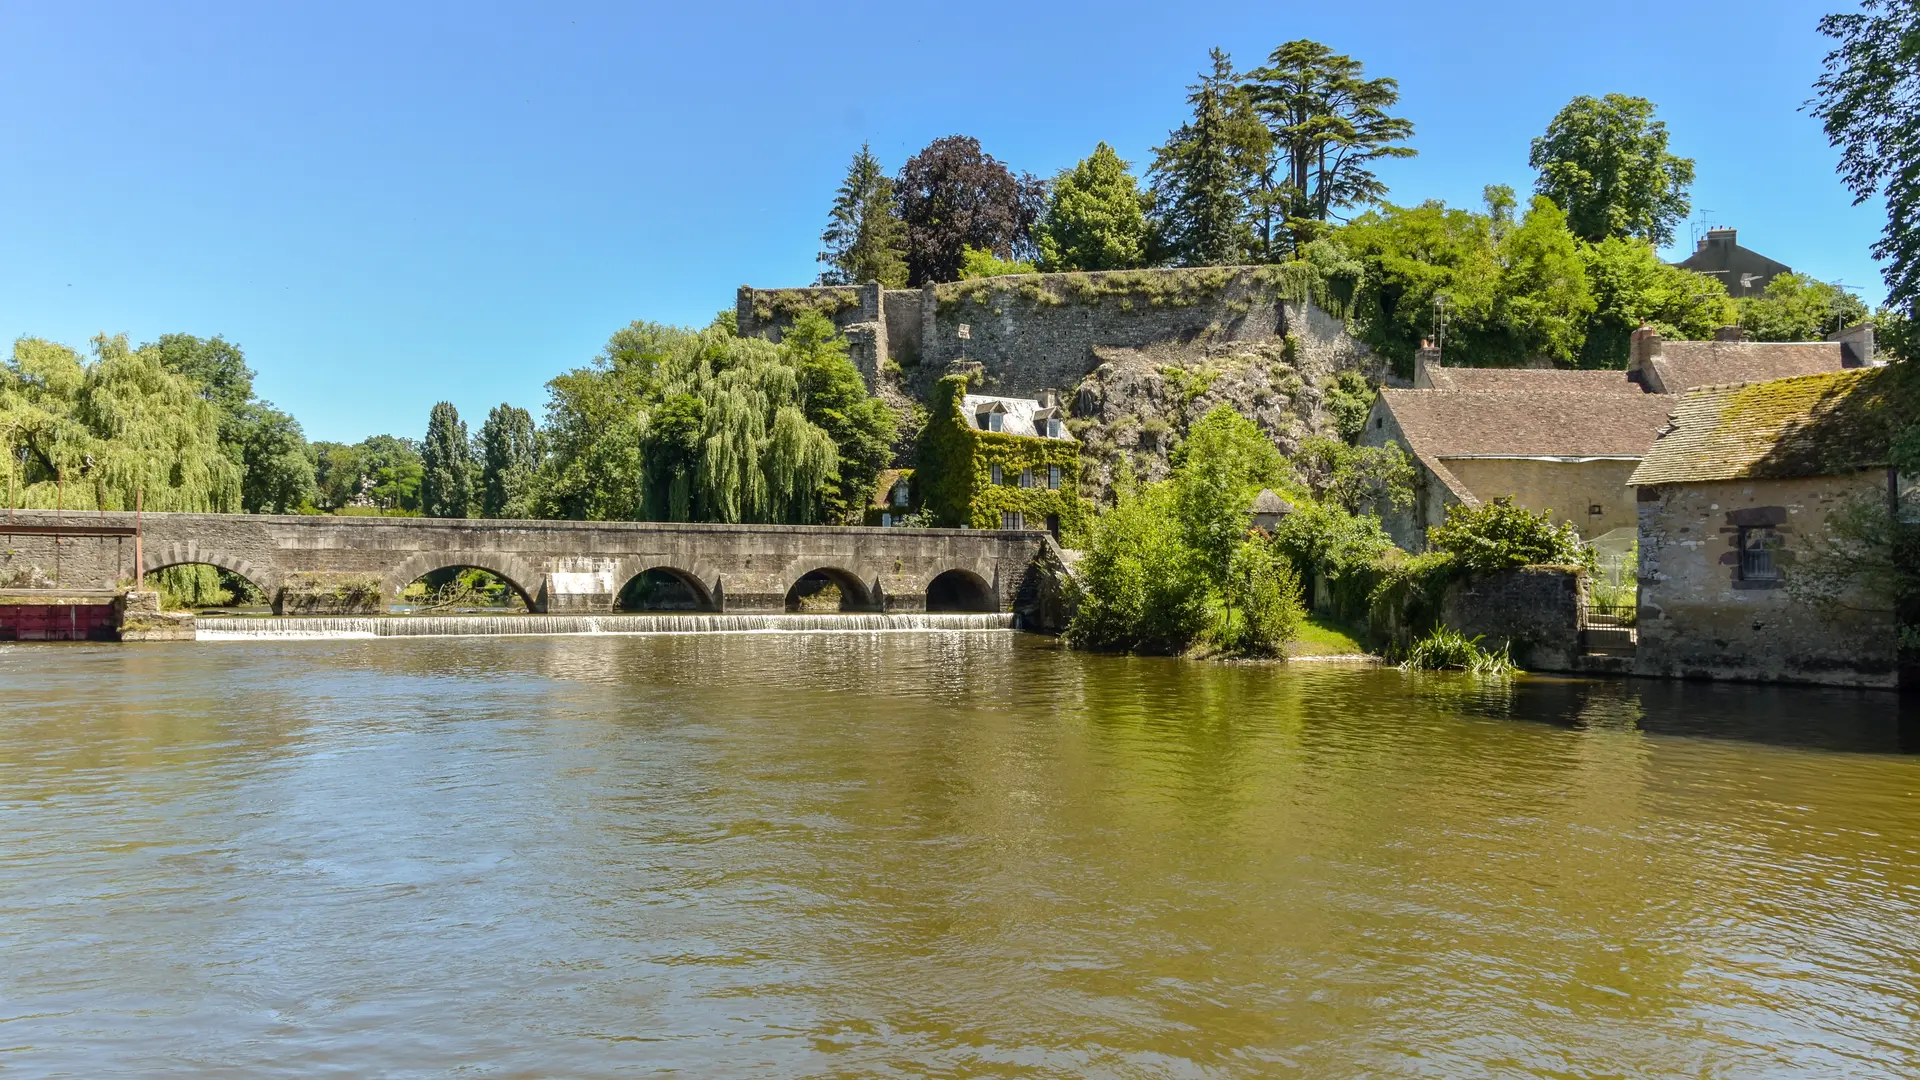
(1446, 649)
(1319, 636)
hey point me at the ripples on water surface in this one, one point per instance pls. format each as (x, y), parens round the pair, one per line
(942, 854)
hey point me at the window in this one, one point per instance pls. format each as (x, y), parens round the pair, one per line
(1758, 545)
(1026, 478)
(1053, 427)
(997, 478)
(996, 421)
(1907, 490)
(1595, 509)
(886, 521)
(900, 493)
(1053, 477)
(1012, 519)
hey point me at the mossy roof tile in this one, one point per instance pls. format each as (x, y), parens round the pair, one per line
(1809, 425)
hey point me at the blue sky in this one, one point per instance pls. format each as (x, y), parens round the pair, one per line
(388, 205)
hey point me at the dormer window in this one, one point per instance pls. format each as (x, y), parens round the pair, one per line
(900, 493)
(992, 417)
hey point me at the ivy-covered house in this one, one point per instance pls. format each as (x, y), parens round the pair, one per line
(892, 503)
(1000, 463)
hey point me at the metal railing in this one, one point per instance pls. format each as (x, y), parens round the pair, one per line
(1607, 616)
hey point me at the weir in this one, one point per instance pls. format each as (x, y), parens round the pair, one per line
(258, 629)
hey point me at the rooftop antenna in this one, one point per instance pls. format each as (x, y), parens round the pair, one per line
(1440, 324)
(1840, 290)
(1702, 224)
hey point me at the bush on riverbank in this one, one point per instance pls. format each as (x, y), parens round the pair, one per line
(1446, 649)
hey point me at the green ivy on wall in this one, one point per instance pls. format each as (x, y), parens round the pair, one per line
(787, 305)
(954, 472)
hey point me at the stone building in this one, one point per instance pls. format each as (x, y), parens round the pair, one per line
(1744, 272)
(892, 503)
(987, 462)
(1566, 441)
(1734, 504)
(1561, 451)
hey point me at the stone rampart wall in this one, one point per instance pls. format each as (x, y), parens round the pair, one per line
(1533, 610)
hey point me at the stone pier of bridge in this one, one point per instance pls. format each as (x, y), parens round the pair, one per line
(553, 565)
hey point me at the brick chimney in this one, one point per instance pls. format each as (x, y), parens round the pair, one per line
(1641, 349)
(1730, 333)
(1856, 345)
(1425, 358)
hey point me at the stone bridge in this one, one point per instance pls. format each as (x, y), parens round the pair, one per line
(553, 565)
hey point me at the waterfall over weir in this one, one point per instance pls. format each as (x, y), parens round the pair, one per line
(255, 629)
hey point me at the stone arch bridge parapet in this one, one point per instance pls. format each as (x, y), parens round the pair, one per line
(557, 565)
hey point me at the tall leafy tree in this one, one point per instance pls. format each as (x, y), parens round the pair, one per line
(1795, 307)
(1224, 462)
(1542, 299)
(954, 196)
(509, 460)
(446, 465)
(1605, 162)
(1633, 287)
(1869, 102)
(1202, 175)
(865, 240)
(393, 472)
(1096, 217)
(1329, 124)
(97, 434)
(834, 398)
(277, 474)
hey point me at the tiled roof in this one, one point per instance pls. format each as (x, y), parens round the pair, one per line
(1811, 425)
(1536, 379)
(1683, 365)
(1459, 423)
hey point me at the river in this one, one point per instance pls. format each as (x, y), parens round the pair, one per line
(937, 854)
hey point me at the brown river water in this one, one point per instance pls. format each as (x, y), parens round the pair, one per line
(937, 854)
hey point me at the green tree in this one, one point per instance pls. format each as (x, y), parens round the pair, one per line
(979, 263)
(509, 463)
(1096, 217)
(393, 472)
(1140, 588)
(1795, 307)
(215, 365)
(1605, 162)
(1263, 605)
(592, 431)
(338, 473)
(1632, 287)
(1329, 124)
(1355, 477)
(1498, 535)
(1542, 299)
(96, 434)
(277, 475)
(1349, 398)
(865, 240)
(834, 398)
(1223, 464)
(1869, 103)
(1202, 175)
(446, 465)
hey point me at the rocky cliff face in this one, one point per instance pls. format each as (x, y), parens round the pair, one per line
(1139, 403)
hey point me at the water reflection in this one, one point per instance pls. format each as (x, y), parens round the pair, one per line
(943, 854)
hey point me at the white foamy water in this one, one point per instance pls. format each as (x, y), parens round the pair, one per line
(257, 629)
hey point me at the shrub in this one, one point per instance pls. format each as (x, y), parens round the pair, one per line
(1499, 535)
(1265, 591)
(1139, 588)
(1343, 549)
(1446, 649)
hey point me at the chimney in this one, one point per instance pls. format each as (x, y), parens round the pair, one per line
(1722, 236)
(1730, 333)
(1049, 398)
(1425, 358)
(1641, 349)
(1856, 345)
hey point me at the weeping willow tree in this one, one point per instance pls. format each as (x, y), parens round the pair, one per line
(100, 435)
(94, 435)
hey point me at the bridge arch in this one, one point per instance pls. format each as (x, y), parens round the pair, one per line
(192, 554)
(961, 590)
(694, 581)
(808, 577)
(505, 567)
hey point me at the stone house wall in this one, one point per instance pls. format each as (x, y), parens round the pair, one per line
(1533, 610)
(1568, 488)
(1698, 619)
(1407, 526)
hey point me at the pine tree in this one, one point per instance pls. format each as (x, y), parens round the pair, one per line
(865, 240)
(508, 459)
(1202, 175)
(1096, 217)
(446, 477)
